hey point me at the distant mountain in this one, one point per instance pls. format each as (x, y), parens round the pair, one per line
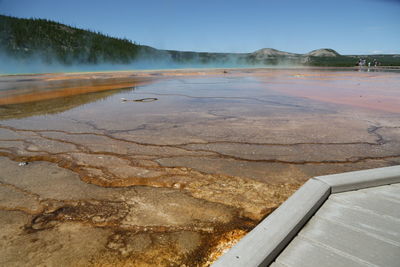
(29, 40)
(325, 52)
(270, 52)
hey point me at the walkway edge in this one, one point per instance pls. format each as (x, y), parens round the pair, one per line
(263, 244)
(349, 181)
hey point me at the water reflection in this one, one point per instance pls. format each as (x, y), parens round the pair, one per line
(54, 105)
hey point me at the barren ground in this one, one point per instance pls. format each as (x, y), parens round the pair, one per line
(178, 180)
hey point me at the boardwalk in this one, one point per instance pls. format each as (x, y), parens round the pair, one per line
(355, 228)
(350, 219)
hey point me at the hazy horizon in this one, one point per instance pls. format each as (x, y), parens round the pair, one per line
(349, 27)
(275, 48)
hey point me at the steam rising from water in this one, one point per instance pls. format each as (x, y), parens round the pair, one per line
(36, 64)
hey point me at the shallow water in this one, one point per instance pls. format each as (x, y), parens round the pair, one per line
(179, 179)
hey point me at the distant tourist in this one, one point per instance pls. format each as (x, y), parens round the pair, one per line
(362, 62)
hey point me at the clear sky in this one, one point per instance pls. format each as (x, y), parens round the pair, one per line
(348, 26)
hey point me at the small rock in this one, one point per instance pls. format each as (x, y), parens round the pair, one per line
(97, 219)
(177, 185)
(32, 148)
(23, 163)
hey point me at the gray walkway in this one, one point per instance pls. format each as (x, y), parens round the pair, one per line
(355, 228)
(347, 219)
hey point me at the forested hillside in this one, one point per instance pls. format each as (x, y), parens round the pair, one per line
(53, 41)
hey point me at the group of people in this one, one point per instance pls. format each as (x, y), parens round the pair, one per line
(363, 62)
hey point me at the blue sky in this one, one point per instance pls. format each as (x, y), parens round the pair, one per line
(348, 26)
